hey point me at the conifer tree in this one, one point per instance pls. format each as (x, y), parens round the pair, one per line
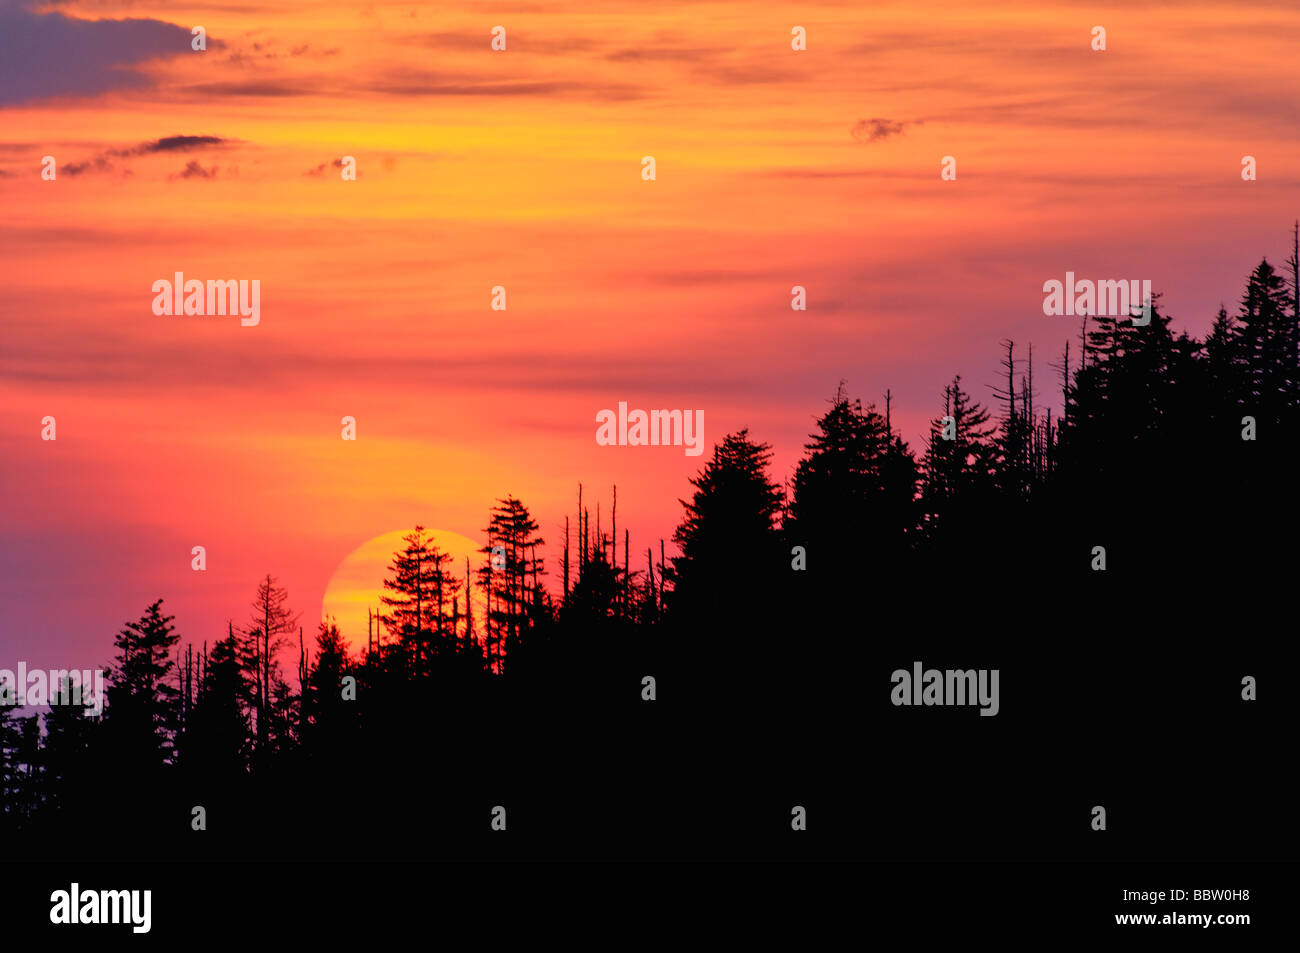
(142, 709)
(512, 585)
(421, 585)
(69, 732)
(265, 638)
(854, 490)
(217, 735)
(731, 551)
(328, 715)
(1267, 339)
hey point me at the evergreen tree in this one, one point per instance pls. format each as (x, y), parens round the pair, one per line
(853, 498)
(265, 638)
(422, 585)
(960, 463)
(731, 550)
(142, 709)
(328, 717)
(69, 733)
(217, 734)
(1267, 339)
(11, 771)
(516, 601)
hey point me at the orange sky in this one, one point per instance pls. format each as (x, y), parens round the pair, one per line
(523, 169)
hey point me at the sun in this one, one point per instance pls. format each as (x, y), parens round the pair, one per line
(358, 581)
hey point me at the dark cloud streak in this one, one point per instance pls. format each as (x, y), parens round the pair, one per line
(876, 130)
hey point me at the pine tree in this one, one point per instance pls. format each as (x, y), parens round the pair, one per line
(856, 485)
(1222, 356)
(69, 732)
(217, 735)
(266, 637)
(10, 768)
(422, 584)
(731, 550)
(328, 716)
(1267, 341)
(512, 586)
(142, 709)
(958, 471)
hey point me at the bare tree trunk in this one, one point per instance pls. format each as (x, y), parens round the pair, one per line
(1028, 405)
(1295, 267)
(263, 666)
(455, 621)
(419, 610)
(302, 681)
(437, 578)
(662, 566)
(488, 639)
(469, 610)
(582, 532)
(1065, 383)
(650, 563)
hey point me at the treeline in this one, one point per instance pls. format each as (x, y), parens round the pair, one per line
(1172, 459)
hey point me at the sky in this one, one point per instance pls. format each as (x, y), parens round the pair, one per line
(522, 168)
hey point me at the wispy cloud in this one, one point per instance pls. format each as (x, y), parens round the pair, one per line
(876, 130)
(269, 87)
(320, 169)
(264, 50)
(96, 164)
(167, 144)
(434, 85)
(193, 170)
(174, 144)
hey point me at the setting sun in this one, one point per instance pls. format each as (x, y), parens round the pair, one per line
(355, 589)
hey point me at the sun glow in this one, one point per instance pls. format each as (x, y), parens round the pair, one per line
(355, 588)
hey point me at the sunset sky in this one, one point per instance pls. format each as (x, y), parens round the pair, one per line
(522, 168)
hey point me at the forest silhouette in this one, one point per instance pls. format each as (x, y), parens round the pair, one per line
(769, 638)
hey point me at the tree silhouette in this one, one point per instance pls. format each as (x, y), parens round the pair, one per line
(1266, 340)
(267, 636)
(510, 581)
(991, 530)
(142, 704)
(854, 492)
(421, 584)
(69, 735)
(217, 734)
(328, 718)
(730, 546)
(12, 798)
(958, 468)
